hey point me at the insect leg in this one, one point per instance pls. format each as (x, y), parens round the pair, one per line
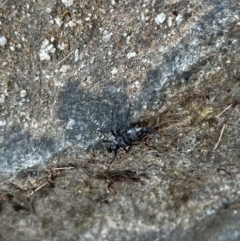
(119, 127)
(106, 141)
(104, 136)
(126, 150)
(113, 132)
(115, 154)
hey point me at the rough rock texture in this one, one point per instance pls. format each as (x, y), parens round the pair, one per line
(66, 66)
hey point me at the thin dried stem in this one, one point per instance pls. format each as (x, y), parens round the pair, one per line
(220, 137)
(38, 188)
(224, 110)
(65, 57)
(3, 4)
(177, 124)
(63, 168)
(51, 177)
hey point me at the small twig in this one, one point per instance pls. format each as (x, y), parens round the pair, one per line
(112, 183)
(145, 169)
(157, 125)
(51, 177)
(67, 12)
(224, 111)
(63, 168)
(105, 176)
(65, 57)
(3, 4)
(38, 188)
(220, 137)
(224, 121)
(166, 128)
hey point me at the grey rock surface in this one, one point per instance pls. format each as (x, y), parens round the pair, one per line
(66, 67)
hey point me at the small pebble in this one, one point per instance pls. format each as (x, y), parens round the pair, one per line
(46, 48)
(76, 55)
(48, 10)
(23, 93)
(70, 124)
(107, 35)
(45, 43)
(58, 21)
(71, 24)
(2, 98)
(2, 123)
(81, 56)
(3, 41)
(160, 18)
(169, 22)
(131, 55)
(12, 48)
(61, 46)
(92, 60)
(179, 19)
(67, 3)
(114, 71)
(65, 68)
(113, 2)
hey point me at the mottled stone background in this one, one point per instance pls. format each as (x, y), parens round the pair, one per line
(66, 66)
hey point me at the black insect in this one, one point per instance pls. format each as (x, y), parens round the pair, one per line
(127, 138)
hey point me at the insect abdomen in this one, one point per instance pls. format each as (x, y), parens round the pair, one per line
(134, 134)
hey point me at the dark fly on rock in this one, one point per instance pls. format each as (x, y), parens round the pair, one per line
(125, 139)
